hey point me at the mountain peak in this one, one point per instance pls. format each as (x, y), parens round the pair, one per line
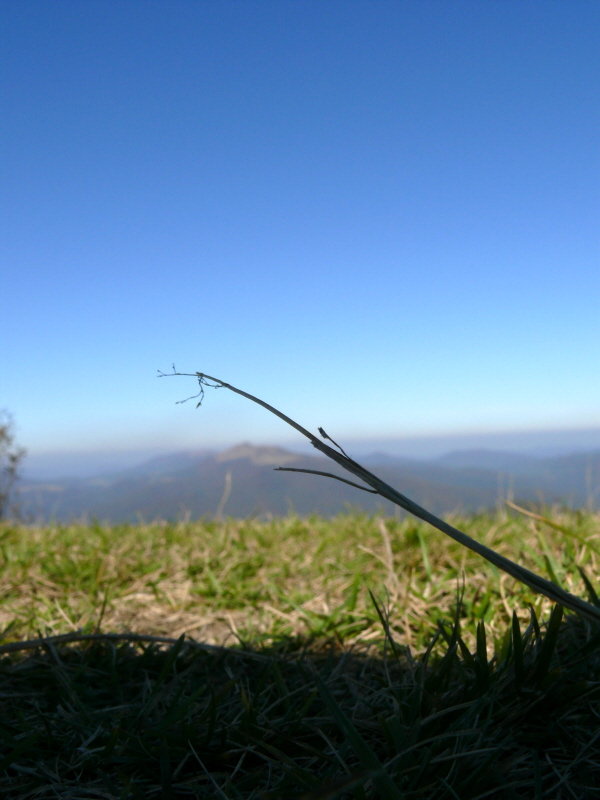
(260, 456)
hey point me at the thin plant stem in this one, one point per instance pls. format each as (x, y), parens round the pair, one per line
(535, 582)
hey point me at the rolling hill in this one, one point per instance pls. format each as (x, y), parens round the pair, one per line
(242, 481)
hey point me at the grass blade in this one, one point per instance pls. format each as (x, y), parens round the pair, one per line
(365, 754)
(540, 585)
(517, 650)
(548, 645)
(170, 660)
(21, 748)
(590, 589)
(386, 625)
(481, 649)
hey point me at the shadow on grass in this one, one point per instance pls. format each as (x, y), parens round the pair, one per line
(105, 719)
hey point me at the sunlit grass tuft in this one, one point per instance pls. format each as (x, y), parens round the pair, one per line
(259, 581)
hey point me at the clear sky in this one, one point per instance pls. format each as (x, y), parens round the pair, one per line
(380, 217)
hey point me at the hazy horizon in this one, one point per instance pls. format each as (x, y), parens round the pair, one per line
(540, 443)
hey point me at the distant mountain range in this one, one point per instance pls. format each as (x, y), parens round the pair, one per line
(241, 482)
(51, 465)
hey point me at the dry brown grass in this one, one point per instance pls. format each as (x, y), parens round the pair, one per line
(220, 581)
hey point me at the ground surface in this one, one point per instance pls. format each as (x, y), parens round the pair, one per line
(323, 690)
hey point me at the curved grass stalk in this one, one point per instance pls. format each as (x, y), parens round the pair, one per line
(535, 582)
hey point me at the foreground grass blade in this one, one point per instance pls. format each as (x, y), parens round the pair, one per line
(590, 589)
(170, 660)
(548, 645)
(386, 625)
(21, 748)
(481, 651)
(365, 754)
(335, 788)
(535, 582)
(517, 650)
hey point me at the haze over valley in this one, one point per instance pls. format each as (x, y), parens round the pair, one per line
(242, 481)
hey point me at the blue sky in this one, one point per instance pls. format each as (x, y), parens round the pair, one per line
(380, 217)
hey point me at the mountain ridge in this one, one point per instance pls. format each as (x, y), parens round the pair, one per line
(193, 483)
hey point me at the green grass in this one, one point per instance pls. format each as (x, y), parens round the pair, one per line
(290, 577)
(322, 690)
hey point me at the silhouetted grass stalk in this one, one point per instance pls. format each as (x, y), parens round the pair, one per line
(535, 582)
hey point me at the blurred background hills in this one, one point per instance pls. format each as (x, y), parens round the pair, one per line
(241, 481)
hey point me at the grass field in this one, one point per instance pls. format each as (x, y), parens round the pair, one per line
(349, 668)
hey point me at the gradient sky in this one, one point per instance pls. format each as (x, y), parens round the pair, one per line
(380, 217)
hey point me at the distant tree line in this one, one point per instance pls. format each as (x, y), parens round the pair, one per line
(11, 457)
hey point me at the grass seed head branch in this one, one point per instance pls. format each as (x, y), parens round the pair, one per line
(325, 475)
(536, 582)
